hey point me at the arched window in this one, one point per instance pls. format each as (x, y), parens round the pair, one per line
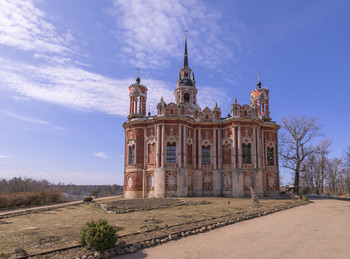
(246, 153)
(205, 155)
(171, 153)
(186, 97)
(270, 156)
(131, 157)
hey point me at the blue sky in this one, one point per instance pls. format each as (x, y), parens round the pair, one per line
(65, 68)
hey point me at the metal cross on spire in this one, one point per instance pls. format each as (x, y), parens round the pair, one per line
(259, 83)
(138, 80)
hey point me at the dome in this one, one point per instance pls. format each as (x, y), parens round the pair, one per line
(186, 82)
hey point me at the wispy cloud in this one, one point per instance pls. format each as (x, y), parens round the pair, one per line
(23, 118)
(151, 39)
(2, 156)
(83, 90)
(25, 27)
(101, 155)
(28, 119)
(20, 98)
(151, 32)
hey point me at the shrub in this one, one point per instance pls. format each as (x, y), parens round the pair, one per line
(87, 199)
(98, 235)
(304, 198)
(18, 199)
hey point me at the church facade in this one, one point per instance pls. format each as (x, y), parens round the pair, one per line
(184, 150)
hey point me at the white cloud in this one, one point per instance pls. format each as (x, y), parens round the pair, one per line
(153, 31)
(20, 98)
(24, 118)
(25, 27)
(150, 39)
(101, 155)
(20, 117)
(2, 156)
(83, 90)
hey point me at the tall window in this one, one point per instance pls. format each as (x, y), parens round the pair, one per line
(186, 97)
(205, 155)
(246, 153)
(270, 156)
(131, 158)
(171, 153)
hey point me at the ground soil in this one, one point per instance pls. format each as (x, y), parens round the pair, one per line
(141, 204)
(59, 228)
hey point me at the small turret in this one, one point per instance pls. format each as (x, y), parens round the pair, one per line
(138, 98)
(259, 97)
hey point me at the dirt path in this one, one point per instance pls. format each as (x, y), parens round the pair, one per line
(59, 205)
(318, 230)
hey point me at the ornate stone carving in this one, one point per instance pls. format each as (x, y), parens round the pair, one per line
(171, 165)
(272, 182)
(207, 167)
(248, 180)
(129, 182)
(171, 181)
(207, 185)
(134, 166)
(227, 181)
(150, 181)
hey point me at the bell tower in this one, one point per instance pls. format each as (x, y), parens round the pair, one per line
(185, 92)
(138, 98)
(260, 98)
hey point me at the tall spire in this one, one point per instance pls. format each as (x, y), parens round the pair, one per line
(186, 57)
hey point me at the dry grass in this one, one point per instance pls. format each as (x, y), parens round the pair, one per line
(60, 228)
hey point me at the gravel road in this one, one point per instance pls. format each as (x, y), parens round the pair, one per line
(318, 230)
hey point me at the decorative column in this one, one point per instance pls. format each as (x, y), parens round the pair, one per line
(157, 146)
(194, 157)
(144, 178)
(219, 149)
(163, 146)
(185, 146)
(179, 147)
(213, 158)
(239, 147)
(233, 148)
(254, 147)
(259, 149)
(199, 149)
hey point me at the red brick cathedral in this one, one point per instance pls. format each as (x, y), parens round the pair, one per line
(187, 151)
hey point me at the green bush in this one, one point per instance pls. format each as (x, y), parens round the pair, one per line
(87, 199)
(304, 198)
(98, 235)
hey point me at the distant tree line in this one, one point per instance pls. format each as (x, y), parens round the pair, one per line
(70, 191)
(314, 171)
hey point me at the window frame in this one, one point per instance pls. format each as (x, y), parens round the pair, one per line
(206, 157)
(131, 154)
(246, 153)
(171, 153)
(270, 154)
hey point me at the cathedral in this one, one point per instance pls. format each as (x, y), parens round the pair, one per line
(184, 150)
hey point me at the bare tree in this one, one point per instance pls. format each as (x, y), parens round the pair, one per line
(334, 175)
(310, 175)
(322, 152)
(346, 161)
(295, 142)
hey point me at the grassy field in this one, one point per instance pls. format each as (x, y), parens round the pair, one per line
(60, 228)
